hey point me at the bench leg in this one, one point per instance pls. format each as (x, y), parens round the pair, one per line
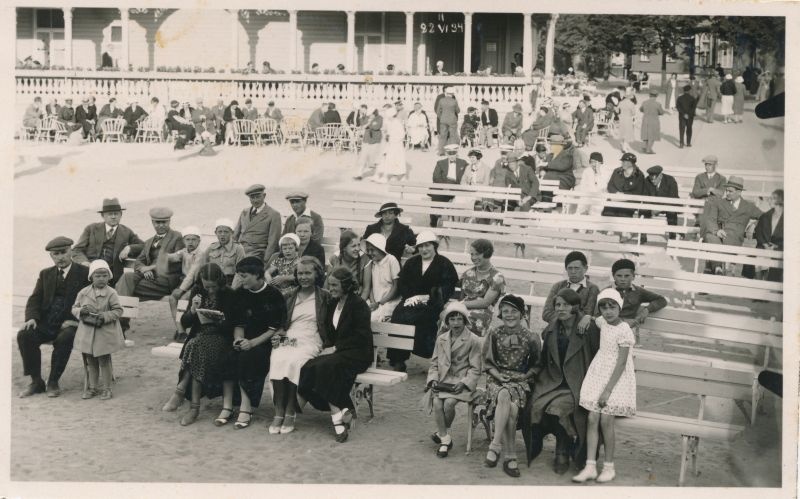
(694, 443)
(684, 458)
(471, 424)
(758, 394)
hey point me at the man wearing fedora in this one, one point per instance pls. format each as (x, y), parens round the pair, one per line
(108, 240)
(48, 318)
(449, 170)
(154, 276)
(725, 220)
(259, 226)
(297, 200)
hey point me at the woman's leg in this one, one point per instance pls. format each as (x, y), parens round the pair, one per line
(191, 416)
(290, 401)
(439, 416)
(227, 404)
(176, 399)
(501, 415)
(279, 398)
(245, 410)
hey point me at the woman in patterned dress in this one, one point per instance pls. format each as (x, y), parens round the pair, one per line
(510, 356)
(481, 285)
(281, 265)
(206, 358)
(609, 388)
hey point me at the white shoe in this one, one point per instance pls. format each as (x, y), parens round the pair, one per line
(589, 472)
(275, 427)
(606, 475)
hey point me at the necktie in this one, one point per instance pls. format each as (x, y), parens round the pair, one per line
(252, 213)
(110, 234)
(60, 275)
(157, 241)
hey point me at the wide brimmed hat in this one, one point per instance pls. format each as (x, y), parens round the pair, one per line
(377, 240)
(736, 182)
(111, 205)
(456, 307)
(610, 294)
(387, 207)
(97, 265)
(427, 236)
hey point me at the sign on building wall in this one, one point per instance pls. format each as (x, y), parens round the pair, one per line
(441, 26)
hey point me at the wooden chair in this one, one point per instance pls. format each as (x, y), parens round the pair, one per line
(543, 137)
(112, 129)
(329, 136)
(27, 133)
(149, 130)
(292, 129)
(266, 131)
(351, 138)
(243, 130)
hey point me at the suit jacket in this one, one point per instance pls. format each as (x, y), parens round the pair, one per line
(354, 118)
(315, 120)
(686, 104)
(372, 132)
(491, 119)
(66, 113)
(512, 123)
(250, 114)
(106, 112)
(635, 184)
(82, 114)
(90, 245)
(456, 363)
(259, 236)
(587, 293)
(525, 179)
(172, 242)
(482, 175)
(317, 225)
(562, 168)
(42, 297)
(668, 188)
(720, 212)
(401, 236)
(764, 233)
(229, 114)
(713, 89)
(702, 183)
(441, 169)
(322, 303)
(331, 116)
(132, 115)
(447, 110)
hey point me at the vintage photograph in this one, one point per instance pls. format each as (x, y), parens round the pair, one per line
(432, 245)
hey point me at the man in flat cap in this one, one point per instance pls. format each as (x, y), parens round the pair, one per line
(725, 220)
(447, 118)
(449, 170)
(48, 318)
(512, 124)
(108, 240)
(659, 184)
(710, 183)
(297, 200)
(154, 276)
(259, 227)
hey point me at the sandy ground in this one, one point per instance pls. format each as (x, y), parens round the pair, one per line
(58, 190)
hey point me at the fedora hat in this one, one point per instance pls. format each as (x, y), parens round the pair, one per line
(387, 207)
(736, 182)
(111, 205)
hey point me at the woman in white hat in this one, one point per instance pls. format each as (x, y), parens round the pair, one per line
(281, 265)
(380, 287)
(426, 282)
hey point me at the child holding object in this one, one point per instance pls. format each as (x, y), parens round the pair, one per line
(99, 333)
(454, 372)
(609, 388)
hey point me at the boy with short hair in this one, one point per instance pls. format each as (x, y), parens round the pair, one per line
(576, 265)
(633, 297)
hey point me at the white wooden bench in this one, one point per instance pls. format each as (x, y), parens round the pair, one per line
(758, 183)
(411, 190)
(742, 255)
(699, 380)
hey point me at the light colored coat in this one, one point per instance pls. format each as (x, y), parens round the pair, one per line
(459, 363)
(259, 236)
(99, 340)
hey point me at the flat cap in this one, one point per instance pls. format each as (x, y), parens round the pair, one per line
(596, 156)
(628, 157)
(710, 159)
(655, 170)
(255, 189)
(297, 195)
(513, 156)
(451, 147)
(58, 243)
(160, 213)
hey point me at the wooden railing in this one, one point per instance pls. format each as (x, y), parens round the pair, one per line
(287, 90)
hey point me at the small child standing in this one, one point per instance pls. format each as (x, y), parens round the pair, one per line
(99, 333)
(609, 388)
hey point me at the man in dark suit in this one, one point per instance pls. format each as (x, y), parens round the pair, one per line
(297, 200)
(108, 240)
(659, 184)
(133, 115)
(358, 117)
(686, 105)
(447, 118)
(447, 171)
(315, 120)
(519, 174)
(489, 124)
(331, 115)
(48, 317)
(154, 276)
(86, 117)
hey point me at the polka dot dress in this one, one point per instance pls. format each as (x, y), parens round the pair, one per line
(622, 401)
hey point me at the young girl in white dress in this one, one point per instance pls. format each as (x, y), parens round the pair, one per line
(609, 388)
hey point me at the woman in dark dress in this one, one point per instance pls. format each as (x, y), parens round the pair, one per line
(259, 312)
(326, 381)
(769, 235)
(425, 283)
(399, 237)
(206, 357)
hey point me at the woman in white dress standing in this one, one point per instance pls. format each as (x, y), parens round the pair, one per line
(672, 89)
(627, 118)
(300, 341)
(394, 152)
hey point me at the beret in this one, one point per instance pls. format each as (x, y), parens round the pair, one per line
(622, 264)
(655, 170)
(160, 213)
(60, 242)
(297, 195)
(254, 189)
(596, 156)
(570, 296)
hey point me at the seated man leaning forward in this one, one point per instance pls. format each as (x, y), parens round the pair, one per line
(154, 277)
(108, 240)
(48, 318)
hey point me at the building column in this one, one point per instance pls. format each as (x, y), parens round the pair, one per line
(467, 42)
(292, 40)
(349, 64)
(410, 42)
(67, 37)
(549, 49)
(123, 57)
(234, 13)
(527, 44)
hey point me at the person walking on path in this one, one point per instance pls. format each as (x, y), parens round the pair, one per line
(447, 115)
(651, 123)
(686, 105)
(627, 117)
(738, 99)
(728, 91)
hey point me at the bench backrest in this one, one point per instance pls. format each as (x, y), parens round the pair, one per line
(388, 335)
(471, 191)
(725, 253)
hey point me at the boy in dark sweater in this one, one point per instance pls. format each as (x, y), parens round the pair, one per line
(633, 311)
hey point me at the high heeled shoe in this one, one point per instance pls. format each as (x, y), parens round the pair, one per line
(221, 421)
(174, 401)
(191, 416)
(240, 425)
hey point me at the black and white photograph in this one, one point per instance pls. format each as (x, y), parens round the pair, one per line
(377, 244)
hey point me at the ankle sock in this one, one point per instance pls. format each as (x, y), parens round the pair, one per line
(445, 439)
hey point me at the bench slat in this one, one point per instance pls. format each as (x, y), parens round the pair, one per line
(381, 377)
(681, 426)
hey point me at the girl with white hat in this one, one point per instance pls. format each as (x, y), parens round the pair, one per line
(99, 333)
(380, 288)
